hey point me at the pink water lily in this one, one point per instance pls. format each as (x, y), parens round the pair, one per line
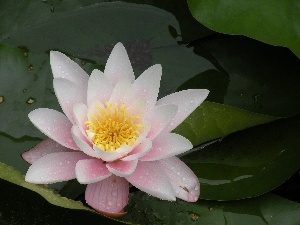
(114, 132)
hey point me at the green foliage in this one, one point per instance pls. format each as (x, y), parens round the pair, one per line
(270, 21)
(251, 85)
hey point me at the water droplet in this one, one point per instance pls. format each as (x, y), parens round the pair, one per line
(172, 168)
(62, 71)
(145, 90)
(109, 203)
(24, 90)
(1, 99)
(141, 177)
(60, 163)
(196, 188)
(185, 110)
(114, 193)
(255, 97)
(83, 62)
(68, 162)
(159, 149)
(183, 179)
(118, 204)
(51, 8)
(30, 68)
(30, 100)
(25, 54)
(195, 198)
(178, 173)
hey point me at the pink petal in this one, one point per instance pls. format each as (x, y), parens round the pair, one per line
(109, 156)
(139, 150)
(147, 85)
(160, 116)
(83, 144)
(148, 177)
(54, 167)
(53, 124)
(68, 93)
(167, 145)
(99, 88)
(91, 170)
(187, 101)
(64, 67)
(184, 181)
(138, 108)
(122, 168)
(109, 195)
(118, 65)
(80, 112)
(122, 92)
(45, 147)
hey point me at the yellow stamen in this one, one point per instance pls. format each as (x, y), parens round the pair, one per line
(112, 127)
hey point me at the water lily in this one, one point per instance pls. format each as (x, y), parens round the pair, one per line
(114, 132)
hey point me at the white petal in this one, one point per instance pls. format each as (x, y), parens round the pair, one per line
(83, 144)
(63, 67)
(53, 124)
(147, 85)
(160, 116)
(184, 181)
(139, 150)
(187, 101)
(148, 177)
(99, 88)
(122, 168)
(167, 145)
(109, 156)
(80, 112)
(54, 167)
(45, 147)
(118, 65)
(122, 92)
(68, 94)
(91, 170)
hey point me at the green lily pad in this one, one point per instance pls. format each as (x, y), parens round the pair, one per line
(249, 75)
(26, 203)
(268, 209)
(25, 84)
(143, 29)
(270, 21)
(212, 120)
(248, 163)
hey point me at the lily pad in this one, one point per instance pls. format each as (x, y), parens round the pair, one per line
(143, 29)
(268, 209)
(270, 21)
(212, 120)
(248, 163)
(26, 203)
(249, 75)
(25, 84)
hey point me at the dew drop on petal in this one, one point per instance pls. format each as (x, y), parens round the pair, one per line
(118, 204)
(197, 188)
(178, 173)
(114, 193)
(109, 203)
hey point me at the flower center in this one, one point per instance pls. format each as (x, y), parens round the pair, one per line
(111, 127)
